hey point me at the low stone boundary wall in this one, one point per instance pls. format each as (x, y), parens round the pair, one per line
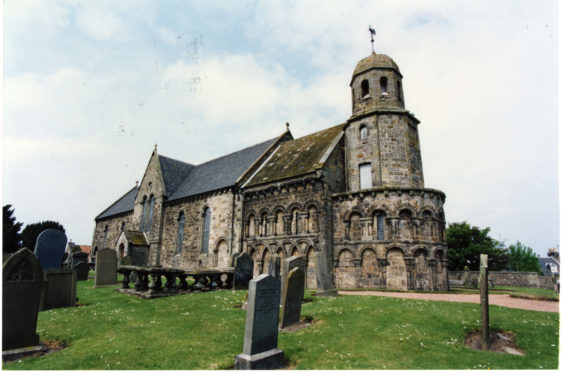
(505, 278)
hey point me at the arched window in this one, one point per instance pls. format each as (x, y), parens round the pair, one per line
(379, 216)
(105, 230)
(399, 92)
(150, 212)
(121, 250)
(364, 89)
(363, 132)
(384, 86)
(263, 224)
(206, 227)
(181, 226)
(143, 216)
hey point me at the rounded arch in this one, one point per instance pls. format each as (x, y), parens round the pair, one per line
(420, 250)
(295, 251)
(364, 249)
(345, 249)
(279, 208)
(370, 273)
(222, 252)
(396, 274)
(311, 203)
(364, 88)
(373, 209)
(293, 206)
(251, 212)
(265, 210)
(354, 210)
(406, 212)
(383, 82)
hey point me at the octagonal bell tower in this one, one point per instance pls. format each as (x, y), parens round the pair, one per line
(382, 142)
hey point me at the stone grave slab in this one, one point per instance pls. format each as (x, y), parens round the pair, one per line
(139, 255)
(106, 268)
(82, 270)
(22, 285)
(50, 247)
(61, 288)
(243, 270)
(262, 316)
(291, 298)
(289, 264)
(78, 257)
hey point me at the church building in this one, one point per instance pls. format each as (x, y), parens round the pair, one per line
(349, 199)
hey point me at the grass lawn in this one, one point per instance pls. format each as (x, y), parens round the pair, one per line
(522, 292)
(206, 330)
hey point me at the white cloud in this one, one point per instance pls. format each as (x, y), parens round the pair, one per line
(101, 24)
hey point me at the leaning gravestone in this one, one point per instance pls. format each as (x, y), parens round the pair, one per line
(260, 336)
(291, 298)
(243, 270)
(275, 266)
(290, 264)
(106, 267)
(50, 247)
(126, 261)
(22, 286)
(78, 257)
(82, 270)
(61, 288)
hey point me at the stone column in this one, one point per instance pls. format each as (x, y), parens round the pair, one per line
(410, 269)
(484, 315)
(446, 273)
(432, 263)
(271, 225)
(382, 262)
(364, 228)
(302, 220)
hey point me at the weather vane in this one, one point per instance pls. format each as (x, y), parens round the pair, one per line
(372, 31)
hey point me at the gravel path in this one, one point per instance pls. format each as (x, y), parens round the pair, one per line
(495, 299)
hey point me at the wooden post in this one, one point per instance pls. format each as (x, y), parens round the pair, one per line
(484, 316)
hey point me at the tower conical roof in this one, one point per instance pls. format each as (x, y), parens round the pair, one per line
(375, 61)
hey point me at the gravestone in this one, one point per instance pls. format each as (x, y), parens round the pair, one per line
(275, 266)
(50, 247)
(291, 298)
(262, 316)
(82, 270)
(78, 257)
(60, 290)
(22, 285)
(139, 255)
(243, 270)
(290, 264)
(484, 315)
(324, 278)
(106, 267)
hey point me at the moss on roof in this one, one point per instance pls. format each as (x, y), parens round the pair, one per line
(297, 157)
(136, 237)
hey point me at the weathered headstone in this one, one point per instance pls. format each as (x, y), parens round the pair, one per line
(291, 298)
(262, 316)
(324, 278)
(275, 266)
(139, 255)
(290, 264)
(82, 270)
(61, 288)
(49, 248)
(243, 270)
(106, 267)
(78, 257)
(485, 320)
(22, 286)
(126, 261)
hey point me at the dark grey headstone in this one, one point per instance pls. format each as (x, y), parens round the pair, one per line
(50, 247)
(126, 261)
(78, 257)
(243, 270)
(291, 298)
(61, 288)
(275, 266)
(22, 285)
(139, 255)
(290, 264)
(106, 267)
(82, 270)
(262, 316)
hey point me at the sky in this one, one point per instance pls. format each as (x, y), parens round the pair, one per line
(90, 87)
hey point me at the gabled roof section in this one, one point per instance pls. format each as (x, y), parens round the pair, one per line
(124, 204)
(173, 173)
(299, 156)
(221, 172)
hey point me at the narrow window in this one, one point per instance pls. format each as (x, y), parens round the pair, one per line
(143, 216)
(206, 226)
(399, 92)
(380, 226)
(363, 132)
(181, 225)
(364, 89)
(123, 226)
(365, 178)
(150, 212)
(384, 83)
(105, 230)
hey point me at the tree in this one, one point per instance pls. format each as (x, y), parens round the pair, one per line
(522, 258)
(31, 232)
(466, 244)
(11, 237)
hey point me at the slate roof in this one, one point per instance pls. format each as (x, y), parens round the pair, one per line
(297, 157)
(221, 172)
(124, 204)
(135, 237)
(173, 172)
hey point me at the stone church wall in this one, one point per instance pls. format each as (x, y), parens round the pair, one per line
(401, 249)
(190, 256)
(114, 227)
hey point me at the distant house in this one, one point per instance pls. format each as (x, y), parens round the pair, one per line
(550, 266)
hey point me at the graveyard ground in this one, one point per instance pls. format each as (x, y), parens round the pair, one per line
(110, 330)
